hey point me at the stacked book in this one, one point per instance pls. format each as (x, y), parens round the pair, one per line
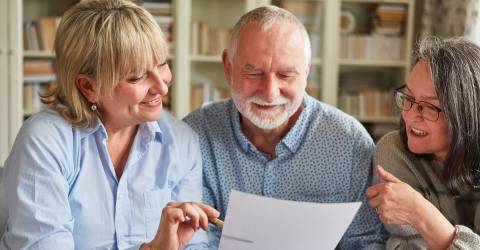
(162, 12)
(38, 70)
(389, 19)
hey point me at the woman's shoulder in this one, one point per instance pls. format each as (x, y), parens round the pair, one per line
(390, 140)
(45, 123)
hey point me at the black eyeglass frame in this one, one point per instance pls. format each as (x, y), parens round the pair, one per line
(412, 101)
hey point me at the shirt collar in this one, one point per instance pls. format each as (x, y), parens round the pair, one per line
(150, 131)
(291, 142)
(147, 130)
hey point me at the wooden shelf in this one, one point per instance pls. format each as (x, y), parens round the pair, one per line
(379, 119)
(372, 63)
(29, 112)
(38, 54)
(377, 1)
(39, 78)
(206, 58)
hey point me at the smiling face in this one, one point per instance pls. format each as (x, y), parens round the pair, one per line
(136, 99)
(268, 74)
(425, 137)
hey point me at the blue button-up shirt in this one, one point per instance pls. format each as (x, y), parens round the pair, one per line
(325, 157)
(63, 192)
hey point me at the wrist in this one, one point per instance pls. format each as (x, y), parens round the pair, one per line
(418, 216)
(147, 246)
(432, 225)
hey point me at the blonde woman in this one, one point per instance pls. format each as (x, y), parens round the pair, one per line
(104, 167)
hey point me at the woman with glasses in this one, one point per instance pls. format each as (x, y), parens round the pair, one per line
(428, 172)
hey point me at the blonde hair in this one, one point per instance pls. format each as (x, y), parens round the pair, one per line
(106, 40)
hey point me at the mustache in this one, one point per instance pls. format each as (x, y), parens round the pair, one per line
(259, 101)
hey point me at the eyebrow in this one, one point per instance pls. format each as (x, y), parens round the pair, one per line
(432, 98)
(249, 67)
(291, 69)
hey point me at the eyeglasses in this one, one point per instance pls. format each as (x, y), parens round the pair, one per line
(427, 110)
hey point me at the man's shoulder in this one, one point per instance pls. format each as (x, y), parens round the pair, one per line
(209, 114)
(329, 118)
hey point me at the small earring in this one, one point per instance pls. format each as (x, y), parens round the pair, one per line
(93, 107)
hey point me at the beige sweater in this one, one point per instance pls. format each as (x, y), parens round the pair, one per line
(424, 175)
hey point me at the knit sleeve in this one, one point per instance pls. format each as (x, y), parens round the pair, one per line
(465, 238)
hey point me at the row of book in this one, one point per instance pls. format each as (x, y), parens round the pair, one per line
(31, 96)
(378, 47)
(208, 40)
(367, 103)
(39, 35)
(205, 92)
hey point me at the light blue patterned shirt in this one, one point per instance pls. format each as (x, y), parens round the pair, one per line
(63, 193)
(325, 157)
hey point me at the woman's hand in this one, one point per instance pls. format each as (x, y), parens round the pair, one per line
(397, 202)
(180, 220)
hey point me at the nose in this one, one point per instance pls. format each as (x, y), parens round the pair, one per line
(161, 78)
(270, 88)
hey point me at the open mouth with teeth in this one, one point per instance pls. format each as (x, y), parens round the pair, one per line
(417, 132)
(153, 102)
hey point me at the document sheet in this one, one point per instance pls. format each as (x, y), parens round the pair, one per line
(255, 222)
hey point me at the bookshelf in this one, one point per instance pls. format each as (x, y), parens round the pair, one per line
(10, 73)
(198, 72)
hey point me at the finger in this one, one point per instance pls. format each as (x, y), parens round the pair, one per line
(375, 203)
(385, 175)
(203, 218)
(174, 213)
(374, 190)
(192, 213)
(209, 211)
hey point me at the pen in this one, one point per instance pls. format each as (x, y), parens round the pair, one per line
(216, 221)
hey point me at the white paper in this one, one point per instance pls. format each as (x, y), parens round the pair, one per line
(255, 222)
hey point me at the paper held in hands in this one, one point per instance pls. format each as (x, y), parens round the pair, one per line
(254, 222)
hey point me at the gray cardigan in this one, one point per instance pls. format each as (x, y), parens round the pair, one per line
(424, 175)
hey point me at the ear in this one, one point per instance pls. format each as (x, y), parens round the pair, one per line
(87, 87)
(227, 66)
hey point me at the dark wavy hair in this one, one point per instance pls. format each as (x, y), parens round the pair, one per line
(454, 65)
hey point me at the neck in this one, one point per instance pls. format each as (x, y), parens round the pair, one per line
(266, 140)
(119, 143)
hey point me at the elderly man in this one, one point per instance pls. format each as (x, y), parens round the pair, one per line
(272, 139)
